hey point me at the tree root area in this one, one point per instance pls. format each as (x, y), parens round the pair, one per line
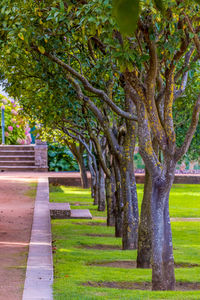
(180, 286)
(99, 235)
(101, 247)
(91, 224)
(131, 264)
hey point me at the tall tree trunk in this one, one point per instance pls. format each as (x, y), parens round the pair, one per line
(84, 179)
(163, 277)
(101, 190)
(130, 216)
(129, 192)
(96, 191)
(110, 201)
(92, 172)
(145, 226)
(78, 154)
(119, 201)
(168, 257)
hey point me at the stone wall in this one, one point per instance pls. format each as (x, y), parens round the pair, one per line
(67, 181)
(41, 155)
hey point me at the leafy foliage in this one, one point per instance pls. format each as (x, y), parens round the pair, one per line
(126, 13)
(17, 130)
(61, 159)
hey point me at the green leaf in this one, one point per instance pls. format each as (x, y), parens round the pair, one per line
(198, 1)
(191, 35)
(126, 13)
(41, 49)
(62, 7)
(160, 5)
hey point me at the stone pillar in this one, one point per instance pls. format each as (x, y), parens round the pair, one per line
(41, 155)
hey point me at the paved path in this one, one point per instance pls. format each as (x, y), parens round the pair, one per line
(16, 213)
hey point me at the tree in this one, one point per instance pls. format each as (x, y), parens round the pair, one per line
(146, 72)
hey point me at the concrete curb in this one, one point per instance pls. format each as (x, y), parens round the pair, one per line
(39, 272)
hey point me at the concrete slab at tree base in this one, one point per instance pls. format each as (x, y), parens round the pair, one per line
(63, 211)
(80, 214)
(59, 210)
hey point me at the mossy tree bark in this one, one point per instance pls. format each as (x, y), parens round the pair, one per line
(101, 191)
(145, 226)
(119, 200)
(78, 151)
(155, 124)
(110, 201)
(128, 182)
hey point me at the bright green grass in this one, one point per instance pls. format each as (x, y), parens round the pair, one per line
(184, 199)
(71, 258)
(71, 262)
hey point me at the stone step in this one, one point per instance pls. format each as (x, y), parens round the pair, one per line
(22, 169)
(16, 147)
(17, 153)
(17, 158)
(59, 210)
(17, 163)
(80, 214)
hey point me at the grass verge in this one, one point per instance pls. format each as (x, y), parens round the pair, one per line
(75, 249)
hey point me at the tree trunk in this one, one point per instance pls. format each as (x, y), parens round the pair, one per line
(163, 277)
(130, 216)
(84, 180)
(168, 257)
(145, 226)
(96, 193)
(93, 175)
(110, 201)
(119, 201)
(101, 190)
(129, 192)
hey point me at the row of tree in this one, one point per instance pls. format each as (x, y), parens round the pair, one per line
(102, 91)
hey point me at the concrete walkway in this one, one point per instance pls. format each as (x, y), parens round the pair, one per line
(39, 273)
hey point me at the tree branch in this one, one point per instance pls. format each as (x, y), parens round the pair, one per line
(188, 138)
(195, 38)
(100, 93)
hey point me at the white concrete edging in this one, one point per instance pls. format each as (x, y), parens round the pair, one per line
(39, 272)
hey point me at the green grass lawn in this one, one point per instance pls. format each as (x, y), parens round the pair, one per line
(73, 260)
(184, 199)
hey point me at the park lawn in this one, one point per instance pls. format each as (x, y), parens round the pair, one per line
(75, 254)
(184, 199)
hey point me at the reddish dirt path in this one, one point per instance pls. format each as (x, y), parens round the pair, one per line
(16, 213)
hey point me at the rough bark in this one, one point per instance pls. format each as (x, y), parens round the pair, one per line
(110, 201)
(129, 192)
(168, 258)
(163, 277)
(92, 172)
(101, 191)
(144, 230)
(119, 201)
(84, 179)
(130, 211)
(78, 154)
(96, 194)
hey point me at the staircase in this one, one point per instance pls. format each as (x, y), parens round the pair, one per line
(19, 158)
